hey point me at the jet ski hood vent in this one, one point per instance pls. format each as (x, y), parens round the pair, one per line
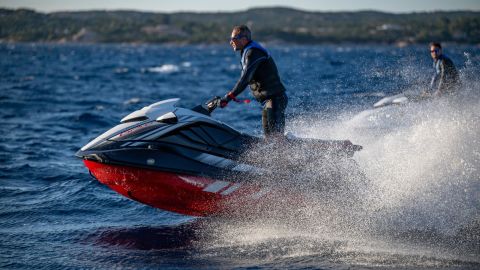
(152, 111)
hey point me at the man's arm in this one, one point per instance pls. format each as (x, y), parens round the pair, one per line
(439, 91)
(434, 81)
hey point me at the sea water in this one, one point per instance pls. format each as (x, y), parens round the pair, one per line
(421, 209)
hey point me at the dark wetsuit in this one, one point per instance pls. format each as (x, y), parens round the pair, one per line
(446, 79)
(260, 72)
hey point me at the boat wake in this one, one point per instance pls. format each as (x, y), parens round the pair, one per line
(420, 207)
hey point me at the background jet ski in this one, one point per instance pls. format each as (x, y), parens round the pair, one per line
(401, 99)
(391, 100)
(185, 161)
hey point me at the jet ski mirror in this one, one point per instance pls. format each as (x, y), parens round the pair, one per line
(169, 118)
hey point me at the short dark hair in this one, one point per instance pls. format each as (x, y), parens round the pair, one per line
(243, 30)
(436, 45)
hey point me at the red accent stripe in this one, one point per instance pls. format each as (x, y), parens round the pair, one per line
(168, 191)
(233, 97)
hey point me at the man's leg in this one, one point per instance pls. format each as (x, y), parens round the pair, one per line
(273, 116)
(267, 117)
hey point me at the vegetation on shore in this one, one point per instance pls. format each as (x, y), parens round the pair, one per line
(268, 24)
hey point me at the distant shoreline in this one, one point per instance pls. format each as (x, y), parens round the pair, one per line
(271, 25)
(273, 44)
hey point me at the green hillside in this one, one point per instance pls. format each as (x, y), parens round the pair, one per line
(268, 24)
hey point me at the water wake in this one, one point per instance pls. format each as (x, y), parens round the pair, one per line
(420, 207)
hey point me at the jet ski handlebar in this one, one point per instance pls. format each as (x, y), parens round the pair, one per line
(208, 107)
(212, 104)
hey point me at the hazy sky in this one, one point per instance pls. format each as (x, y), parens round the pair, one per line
(226, 5)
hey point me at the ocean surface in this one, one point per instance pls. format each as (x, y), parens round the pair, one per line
(422, 158)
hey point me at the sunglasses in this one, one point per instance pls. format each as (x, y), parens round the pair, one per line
(237, 37)
(434, 51)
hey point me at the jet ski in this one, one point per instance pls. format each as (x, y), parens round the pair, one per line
(185, 161)
(403, 99)
(391, 100)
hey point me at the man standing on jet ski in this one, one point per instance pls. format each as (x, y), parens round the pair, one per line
(260, 72)
(445, 79)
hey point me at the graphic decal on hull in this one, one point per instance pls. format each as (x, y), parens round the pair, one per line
(216, 186)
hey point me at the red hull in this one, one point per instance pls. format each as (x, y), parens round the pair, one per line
(185, 194)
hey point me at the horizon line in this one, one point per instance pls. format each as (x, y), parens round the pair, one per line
(239, 10)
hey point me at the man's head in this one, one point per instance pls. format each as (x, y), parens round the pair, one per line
(435, 50)
(240, 37)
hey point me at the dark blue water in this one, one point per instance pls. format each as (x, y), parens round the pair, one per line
(56, 98)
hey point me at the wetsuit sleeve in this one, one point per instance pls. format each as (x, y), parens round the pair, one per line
(442, 77)
(253, 59)
(434, 81)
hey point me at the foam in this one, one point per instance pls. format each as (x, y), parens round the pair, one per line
(422, 160)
